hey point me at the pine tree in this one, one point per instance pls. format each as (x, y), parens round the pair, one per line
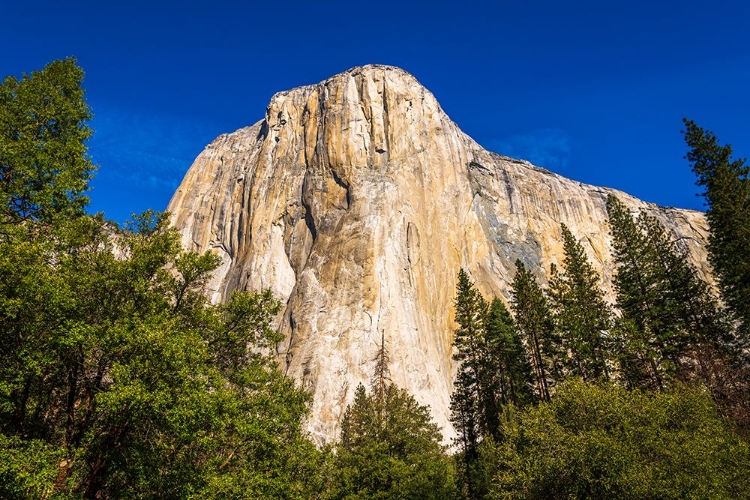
(581, 314)
(389, 448)
(726, 183)
(471, 402)
(674, 321)
(688, 301)
(727, 193)
(640, 333)
(515, 379)
(493, 371)
(534, 322)
(382, 375)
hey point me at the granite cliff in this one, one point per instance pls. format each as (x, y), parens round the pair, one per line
(357, 200)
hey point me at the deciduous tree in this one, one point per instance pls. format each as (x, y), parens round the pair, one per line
(118, 379)
(44, 167)
(604, 441)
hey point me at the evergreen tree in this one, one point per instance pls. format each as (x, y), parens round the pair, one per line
(727, 193)
(726, 183)
(641, 334)
(389, 448)
(493, 371)
(670, 321)
(515, 384)
(534, 322)
(382, 377)
(582, 317)
(688, 302)
(473, 409)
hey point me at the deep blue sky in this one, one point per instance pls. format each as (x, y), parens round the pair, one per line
(593, 90)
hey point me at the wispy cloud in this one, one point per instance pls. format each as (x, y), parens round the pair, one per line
(548, 148)
(142, 158)
(146, 151)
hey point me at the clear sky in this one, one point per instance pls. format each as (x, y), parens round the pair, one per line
(593, 90)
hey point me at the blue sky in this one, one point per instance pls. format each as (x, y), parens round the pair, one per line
(594, 91)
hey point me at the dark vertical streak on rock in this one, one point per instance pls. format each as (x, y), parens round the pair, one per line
(508, 189)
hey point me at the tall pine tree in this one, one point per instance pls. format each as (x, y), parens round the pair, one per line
(671, 324)
(582, 317)
(470, 403)
(515, 379)
(688, 303)
(726, 184)
(493, 372)
(534, 322)
(727, 193)
(641, 335)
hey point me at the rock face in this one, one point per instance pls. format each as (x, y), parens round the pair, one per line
(357, 200)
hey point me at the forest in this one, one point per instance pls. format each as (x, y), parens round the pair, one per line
(119, 379)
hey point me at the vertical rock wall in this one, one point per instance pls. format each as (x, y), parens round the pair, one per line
(357, 200)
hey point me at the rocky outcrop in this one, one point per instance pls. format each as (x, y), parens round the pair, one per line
(357, 200)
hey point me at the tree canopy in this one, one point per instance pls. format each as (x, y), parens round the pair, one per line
(726, 183)
(44, 166)
(118, 378)
(116, 367)
(389, 448)
(604, 441)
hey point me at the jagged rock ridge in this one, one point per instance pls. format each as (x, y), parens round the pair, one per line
(356, 201)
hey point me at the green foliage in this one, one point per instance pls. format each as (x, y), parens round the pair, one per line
(467, 411)
(603, 441)
(390, 449)
(727, 194)
(117, 378)
(44, 168)
(473, 406)
(27, 467)
(493, 371)
(534, 322)
(581, 315)
(639, 343)
(515, 380)
(670, 321)
(116, 369)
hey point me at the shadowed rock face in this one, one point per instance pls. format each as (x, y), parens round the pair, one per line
(357, 200)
